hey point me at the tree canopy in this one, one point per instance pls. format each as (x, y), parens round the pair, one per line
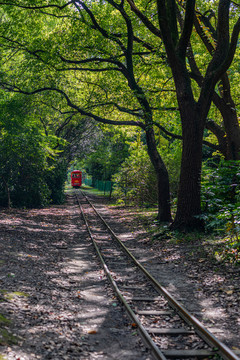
(131, 64)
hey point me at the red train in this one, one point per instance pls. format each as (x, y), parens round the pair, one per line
(76, 178)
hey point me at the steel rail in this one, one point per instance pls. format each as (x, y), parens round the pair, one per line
(224, 351)
(158, 355)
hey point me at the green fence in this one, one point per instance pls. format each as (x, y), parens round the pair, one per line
(88, 182)
(101, 185)
(105, 186)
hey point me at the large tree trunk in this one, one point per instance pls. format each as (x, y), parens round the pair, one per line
(164, 209)
(189, 194)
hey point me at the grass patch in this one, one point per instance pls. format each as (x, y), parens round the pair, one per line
(94, 191)
(11, 295)
(4, 320)
(6, 338)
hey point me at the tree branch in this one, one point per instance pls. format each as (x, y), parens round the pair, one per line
(144, 19)
(87, 69)
(20, 46)
(169, 41)
(224, 53)
(187, 28)
(134, 112)
(35, 7)
(81, 111)
(120, 65)
(179, 137)
(96, 25)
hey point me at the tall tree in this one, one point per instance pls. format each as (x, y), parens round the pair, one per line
(122, 49)
(193, 112)
(98, 48)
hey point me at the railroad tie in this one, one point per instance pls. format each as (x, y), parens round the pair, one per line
(181, 354)
(167, 331)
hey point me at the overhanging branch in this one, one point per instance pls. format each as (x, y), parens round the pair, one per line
(35, 7)
(179, 137)
(81, 111)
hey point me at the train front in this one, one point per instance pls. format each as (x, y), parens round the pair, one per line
(76, 178)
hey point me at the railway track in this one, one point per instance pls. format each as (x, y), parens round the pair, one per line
(167, 328)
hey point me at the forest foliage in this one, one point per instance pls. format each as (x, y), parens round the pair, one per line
(139, 100)
(26, 156)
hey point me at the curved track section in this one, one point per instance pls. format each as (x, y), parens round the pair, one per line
(166, 327)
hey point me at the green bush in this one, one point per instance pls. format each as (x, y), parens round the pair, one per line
(136, 182)
(221, 203)
(221, 195)
(31, 173)
(55, 180)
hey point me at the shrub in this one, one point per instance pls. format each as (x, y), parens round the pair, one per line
(136, 182)
(27, 159)
(221, 203)
(55, 180)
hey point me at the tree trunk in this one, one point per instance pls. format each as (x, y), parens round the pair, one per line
(164, 209)
(227, 108)
(231, 126)
(189, 193)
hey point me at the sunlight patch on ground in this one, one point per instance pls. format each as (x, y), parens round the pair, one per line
(211, 311)
(126, 236)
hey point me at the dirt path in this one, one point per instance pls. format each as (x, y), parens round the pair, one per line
(55, 303)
